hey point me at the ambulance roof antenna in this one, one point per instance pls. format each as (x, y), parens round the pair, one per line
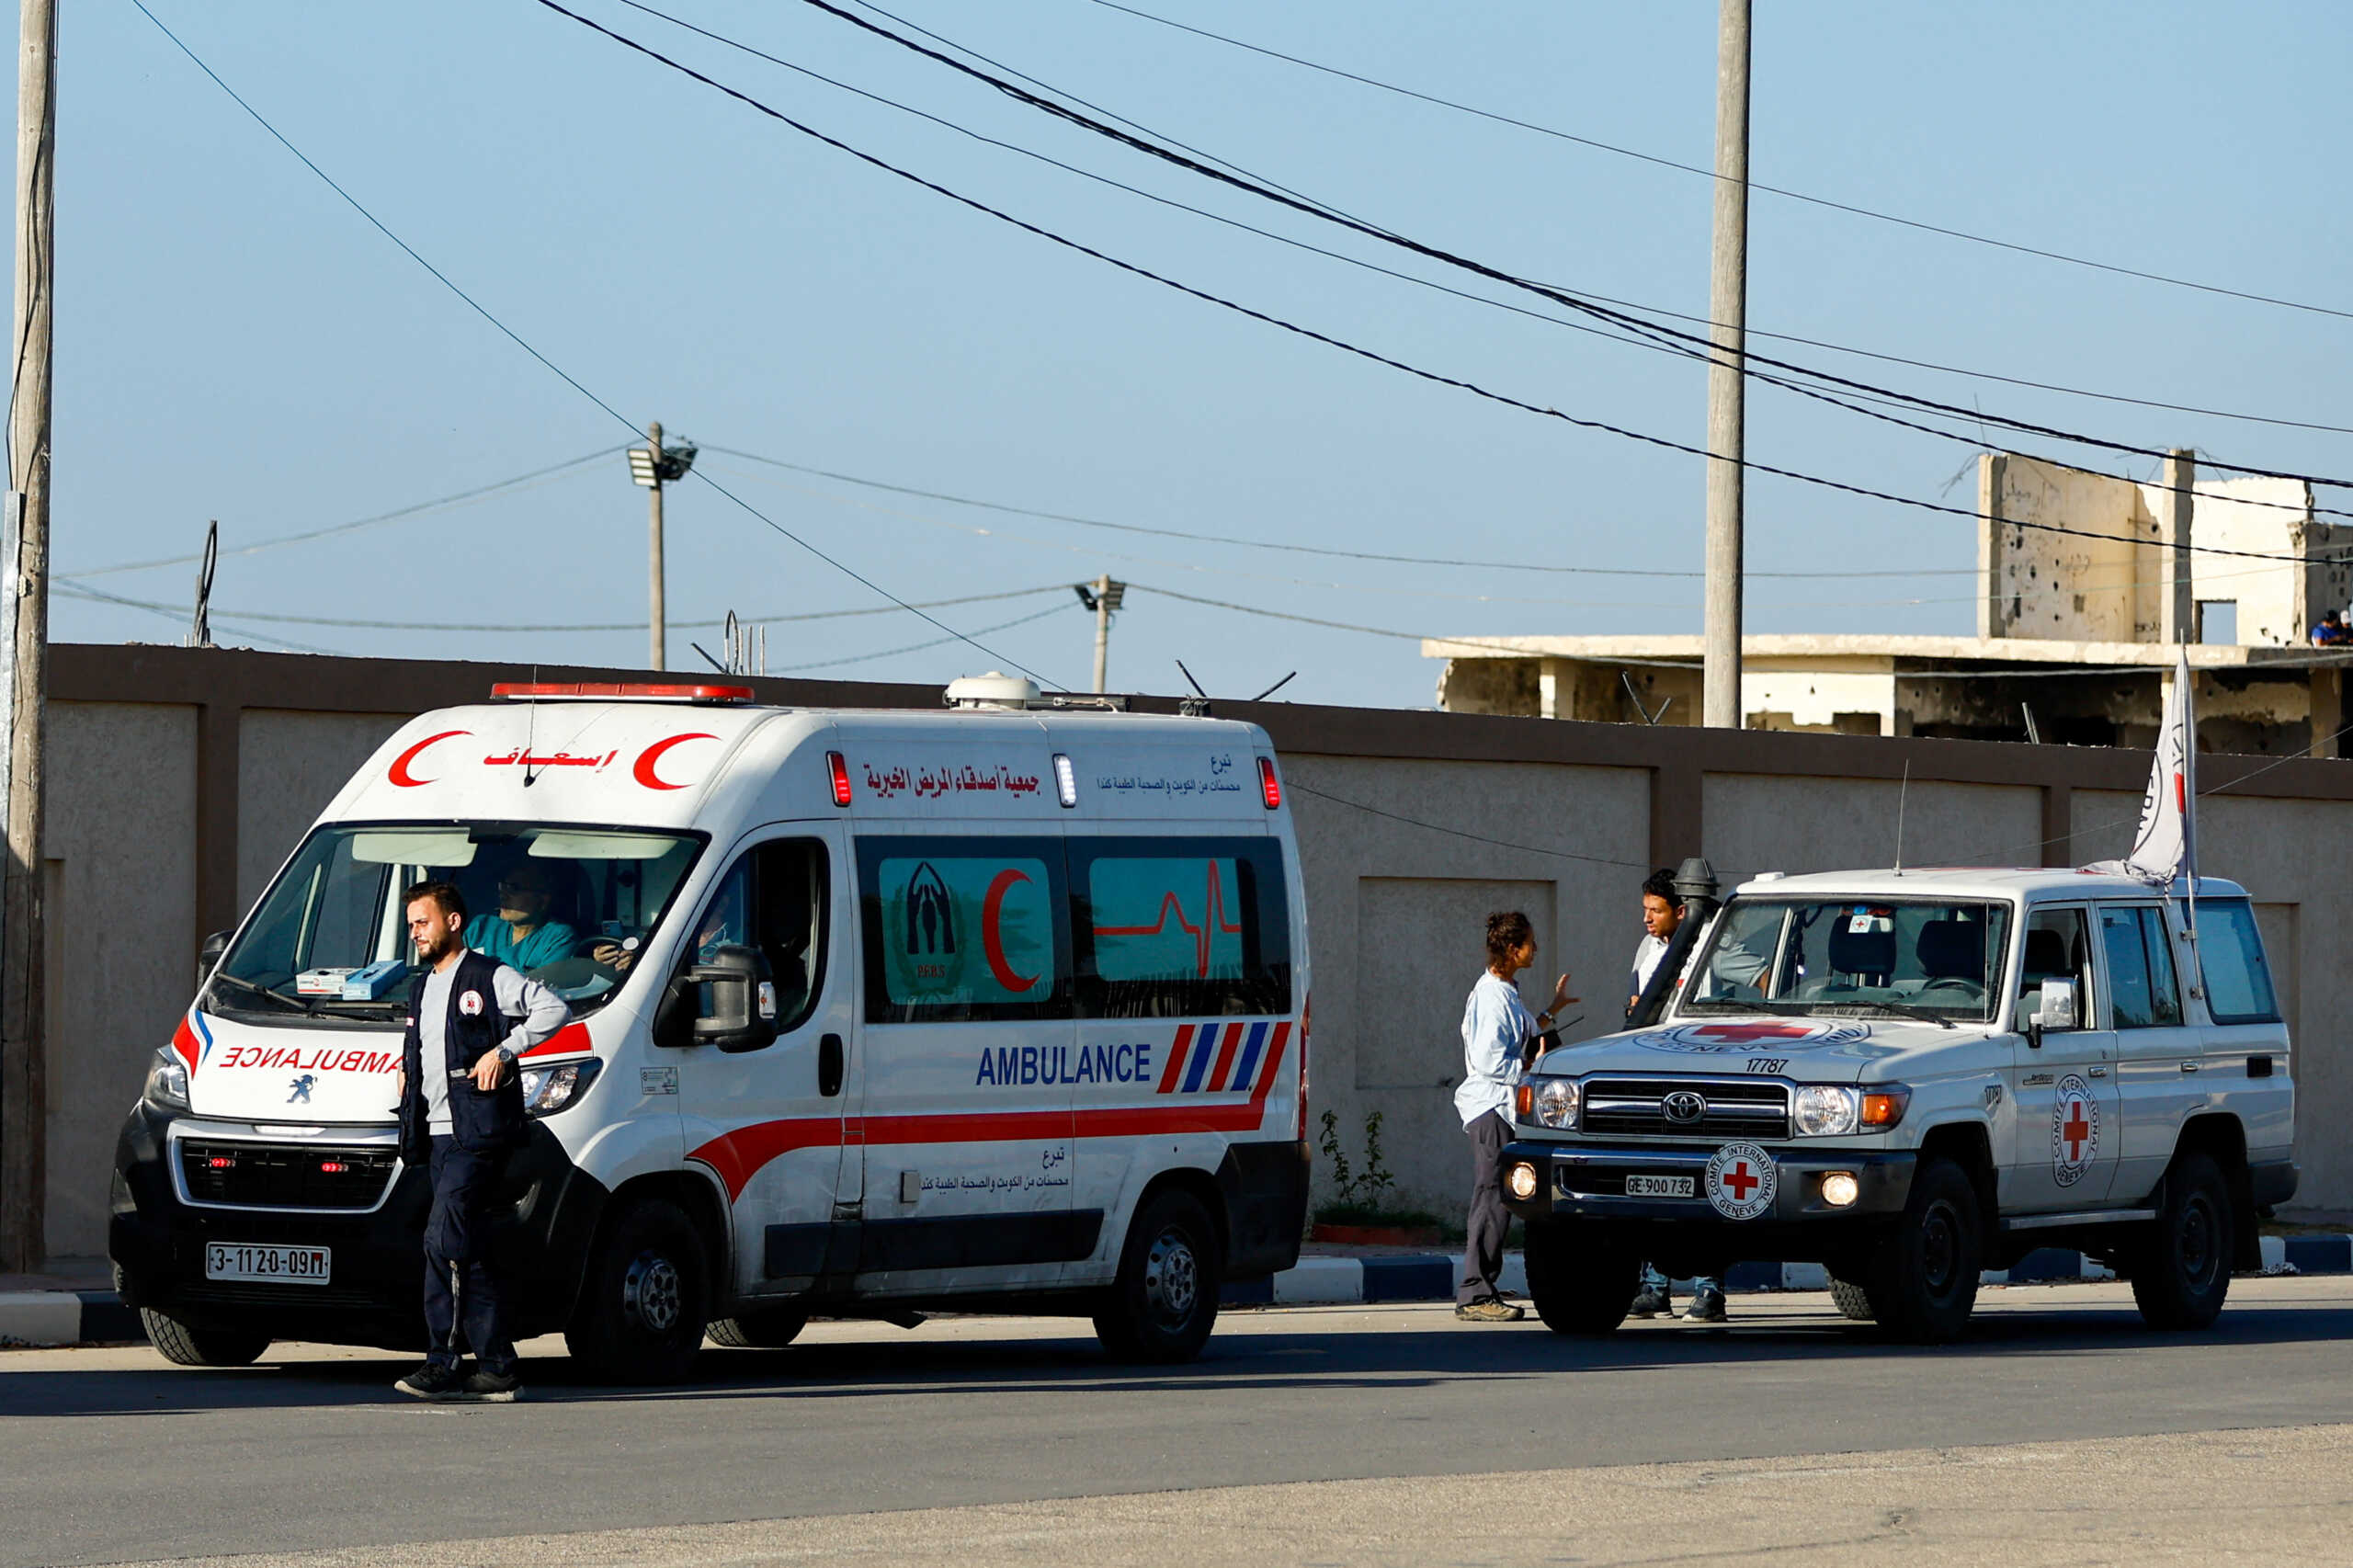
(1276, 688)
(1197, 705)
(1902, 791)
(530, 726)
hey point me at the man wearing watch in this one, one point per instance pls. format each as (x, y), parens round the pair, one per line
(462, 1113)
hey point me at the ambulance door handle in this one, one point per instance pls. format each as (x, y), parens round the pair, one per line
(829, 1066)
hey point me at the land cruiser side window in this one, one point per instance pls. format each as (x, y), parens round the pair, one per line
(2238, 982)
(2056, 948)
(2140, 990)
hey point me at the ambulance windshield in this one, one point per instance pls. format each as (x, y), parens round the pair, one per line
(1858, 958)
(571, 906)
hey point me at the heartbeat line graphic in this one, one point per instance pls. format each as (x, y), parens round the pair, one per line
(1213, 922)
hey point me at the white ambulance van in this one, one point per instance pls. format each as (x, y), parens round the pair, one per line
(996, 1008)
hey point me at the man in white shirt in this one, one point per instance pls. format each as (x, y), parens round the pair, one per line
(1663, 911)
(1497, 1033)
(461, 1114)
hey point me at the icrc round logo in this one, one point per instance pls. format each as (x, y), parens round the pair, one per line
(1752, 1036)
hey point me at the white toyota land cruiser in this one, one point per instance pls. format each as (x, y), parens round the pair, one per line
(1911, 1076)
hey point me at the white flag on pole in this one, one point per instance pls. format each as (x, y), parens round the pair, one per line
(2166, 846)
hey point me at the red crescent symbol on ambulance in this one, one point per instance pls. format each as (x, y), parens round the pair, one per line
(992, 939)
(646, 759)
(400, 775)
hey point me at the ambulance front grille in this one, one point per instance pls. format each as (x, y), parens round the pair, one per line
(1733, 1109)
(285, 1175)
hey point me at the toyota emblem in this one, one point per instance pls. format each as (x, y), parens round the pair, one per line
(1684, 1105)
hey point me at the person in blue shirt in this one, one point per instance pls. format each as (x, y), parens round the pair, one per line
(520, 934)
(2331, 632)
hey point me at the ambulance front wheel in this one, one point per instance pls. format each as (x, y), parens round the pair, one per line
(1165, 1302)
(645, 1300)
(183, 1345)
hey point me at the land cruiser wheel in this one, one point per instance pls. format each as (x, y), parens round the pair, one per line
(640, 1315)
(186, 1346)
(771, 1329)
(2182, 1271)
(1579, 1289)
(1923, 1281)
(1851, 1298)
(1165, 1302)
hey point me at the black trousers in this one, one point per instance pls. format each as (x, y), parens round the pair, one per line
(1483, 1252)
(462, 1276)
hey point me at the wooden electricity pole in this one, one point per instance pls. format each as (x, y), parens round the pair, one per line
(1728, 308)
(24, 644)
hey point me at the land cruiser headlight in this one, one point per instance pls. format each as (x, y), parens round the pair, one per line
(1822, 1112)
(167, 1086)
(1556, 1103)
(547, 1090)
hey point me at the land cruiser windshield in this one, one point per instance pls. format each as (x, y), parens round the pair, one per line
(572, 906)
(1854, 958)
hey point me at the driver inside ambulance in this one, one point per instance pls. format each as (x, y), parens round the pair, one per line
(520, 934)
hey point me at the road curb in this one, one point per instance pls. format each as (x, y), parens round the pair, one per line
(51, 1318)
(1431, 1276)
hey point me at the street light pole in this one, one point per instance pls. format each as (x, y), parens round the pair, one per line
(657, 615)
(1728, 309)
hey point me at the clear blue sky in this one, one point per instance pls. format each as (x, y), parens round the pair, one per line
(233, 342)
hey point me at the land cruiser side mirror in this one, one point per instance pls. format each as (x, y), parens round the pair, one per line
(2056, 1011)
(735, 1001)
(208, 956)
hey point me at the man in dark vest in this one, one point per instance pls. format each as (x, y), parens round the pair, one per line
(462, 1112)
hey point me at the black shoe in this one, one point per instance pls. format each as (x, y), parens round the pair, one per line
(1652, 1303)
(492, 1388)
(434, 1380)
(1707, 1305)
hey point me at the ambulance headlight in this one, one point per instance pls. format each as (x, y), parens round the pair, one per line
(167, 1086)
(1556, 1103)
(1821, 1110)
(547, 1090)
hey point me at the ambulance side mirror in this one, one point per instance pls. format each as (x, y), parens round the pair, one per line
(734, 1002)
(208, 956)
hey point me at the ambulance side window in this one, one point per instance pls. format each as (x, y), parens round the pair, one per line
(1180, 928)
(773, 899)
(966, 929)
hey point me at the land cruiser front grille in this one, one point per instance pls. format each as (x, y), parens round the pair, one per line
(285, 1175)
(1639, 1106)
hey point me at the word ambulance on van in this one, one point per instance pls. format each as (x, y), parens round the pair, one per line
(998, 1009)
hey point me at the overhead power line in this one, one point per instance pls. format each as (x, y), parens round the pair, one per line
(1847, 207)
(1435, 377)
(515, 337)
(1326, 212)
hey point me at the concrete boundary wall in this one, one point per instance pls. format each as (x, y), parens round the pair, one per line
(181, 779)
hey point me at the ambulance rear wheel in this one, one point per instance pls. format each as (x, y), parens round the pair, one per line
(1923, 1280)
(1165, 1302)
(184, 1344)
(644, 1305)
(2182, 1271)
(770, 1330)
(1579, 1289)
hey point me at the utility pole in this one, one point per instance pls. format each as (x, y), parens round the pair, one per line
(1103, 595)
(654, 465)
(24, 646)
(1728, 309)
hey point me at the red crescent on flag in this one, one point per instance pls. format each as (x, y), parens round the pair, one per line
(643, 771)
(992, 939)
(400, 775)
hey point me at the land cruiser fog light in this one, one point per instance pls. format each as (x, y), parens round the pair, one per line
(1839, 1189)
(1522, 1181)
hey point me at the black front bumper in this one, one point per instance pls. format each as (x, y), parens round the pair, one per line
(546, 1220)
(1586, 1181)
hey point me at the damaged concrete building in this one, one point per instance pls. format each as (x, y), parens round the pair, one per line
(2075, 631)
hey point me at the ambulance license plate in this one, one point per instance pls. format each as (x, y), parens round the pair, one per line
(279, 1266)
(1662, 1187)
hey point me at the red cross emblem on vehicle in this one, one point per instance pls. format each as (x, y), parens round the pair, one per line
(1741, 1182)
(1745, 1034)
(2076, 1130)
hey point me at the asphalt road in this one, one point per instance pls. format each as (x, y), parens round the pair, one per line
(110, 1456)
